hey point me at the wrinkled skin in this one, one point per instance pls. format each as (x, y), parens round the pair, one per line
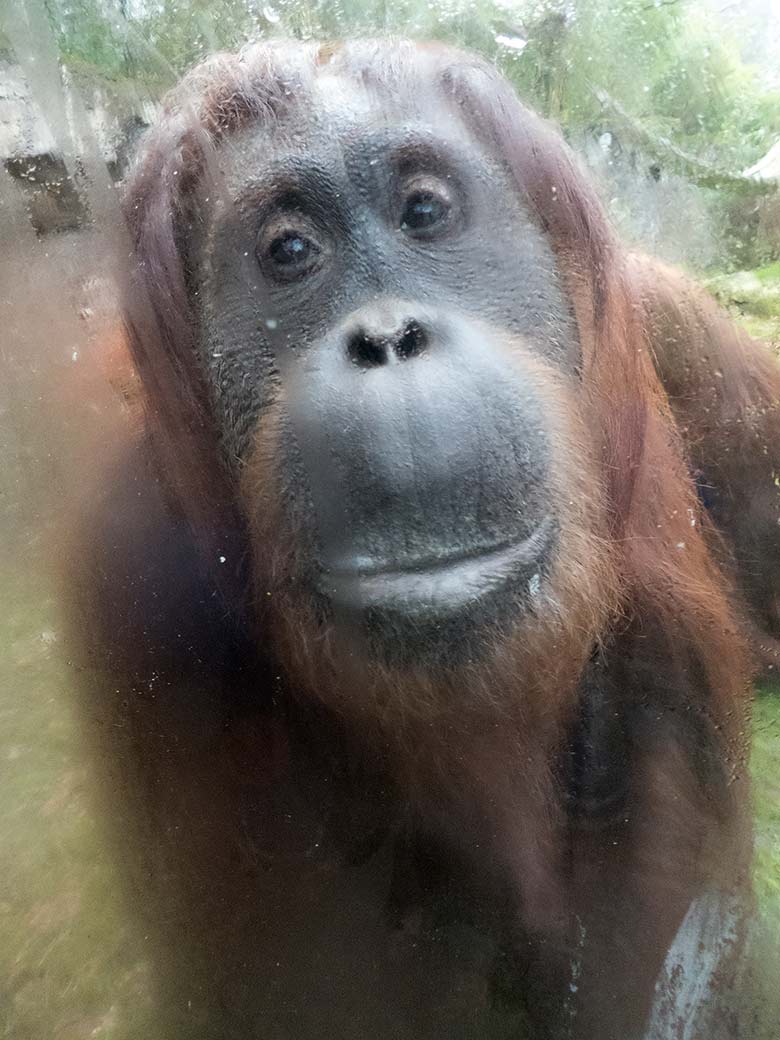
(390, 352)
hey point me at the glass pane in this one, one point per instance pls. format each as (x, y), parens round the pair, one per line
(390, 514)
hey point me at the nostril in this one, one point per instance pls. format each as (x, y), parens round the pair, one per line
(366, 351)
(370, 349)
(412, 341)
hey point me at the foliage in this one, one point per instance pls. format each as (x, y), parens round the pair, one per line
(87, 34)
(753, 299)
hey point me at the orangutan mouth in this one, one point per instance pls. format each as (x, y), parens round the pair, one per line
(443, 585)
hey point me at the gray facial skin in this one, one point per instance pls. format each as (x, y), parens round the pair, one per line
(376, 268)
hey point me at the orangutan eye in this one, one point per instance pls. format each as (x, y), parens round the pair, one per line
(288, 254)
(425, 212)
(291, 250)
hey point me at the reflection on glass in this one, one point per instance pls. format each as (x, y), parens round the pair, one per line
(392, 548)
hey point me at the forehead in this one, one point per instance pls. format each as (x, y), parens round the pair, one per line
(342, 124)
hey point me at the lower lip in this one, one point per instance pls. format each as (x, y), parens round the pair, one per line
(442, 587)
